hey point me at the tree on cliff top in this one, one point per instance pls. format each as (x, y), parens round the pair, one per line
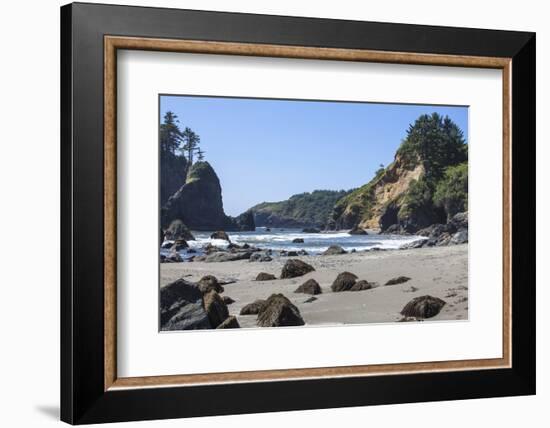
(435, 141)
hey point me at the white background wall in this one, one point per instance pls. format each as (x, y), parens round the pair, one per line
(29, 214)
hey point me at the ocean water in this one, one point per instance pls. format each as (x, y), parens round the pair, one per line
(278, 239)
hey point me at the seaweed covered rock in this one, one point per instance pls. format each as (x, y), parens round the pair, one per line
(181, 307)
(309, 287)
(423, 307)
(294, 268)
(344, 282)
(279, 312)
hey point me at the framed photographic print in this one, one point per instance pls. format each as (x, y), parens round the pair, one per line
(292, 213)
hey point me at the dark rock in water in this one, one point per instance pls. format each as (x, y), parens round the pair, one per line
(178, 230)
(245, 246)
(279, 312)
(460, 221)
(167, 245)
(310, 230)
(215, 308)
(220, 234)
(394, 229)
(245, 221)
(311, 299)
(191, 251)
(292, 254)
(423, 307)
(262, 276)
(398, 280)
(253, 308)
(267, 229)
(357, 231)
(181, 307)
(180, 244)
(460, 237)
(209, 248)
(362, 285)
(260, 257)
(227, 257)
(309, 287)
(343, 282)
(353, 250)
(227, 300)
(208, 283)
(302, 253)
(334, 250)
(233, 246)
(294, 268)
(230, 322)
(297, 241)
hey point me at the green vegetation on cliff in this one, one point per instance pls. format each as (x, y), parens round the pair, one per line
(451, 192)
(301, 210)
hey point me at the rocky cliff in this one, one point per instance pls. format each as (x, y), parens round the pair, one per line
(198, 203)
(427, 183)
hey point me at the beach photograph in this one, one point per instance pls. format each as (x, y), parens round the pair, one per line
(297, 213)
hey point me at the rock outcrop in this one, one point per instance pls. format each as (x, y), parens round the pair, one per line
(334, 250)
(398, 280)
(230, 322)
(253, 308)
(262, 276)
(215, 308)
(198, 203)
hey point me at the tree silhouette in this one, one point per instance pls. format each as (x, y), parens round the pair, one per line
(192, 141)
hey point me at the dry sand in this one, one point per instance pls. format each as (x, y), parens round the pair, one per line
(438, 271)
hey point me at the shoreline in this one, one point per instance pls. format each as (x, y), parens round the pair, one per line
(440, 272)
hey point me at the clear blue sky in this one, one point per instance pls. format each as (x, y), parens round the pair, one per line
(268, 150)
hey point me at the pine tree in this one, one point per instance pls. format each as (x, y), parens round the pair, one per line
(170, 134)
(192, 141)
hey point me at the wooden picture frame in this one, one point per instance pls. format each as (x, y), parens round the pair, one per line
(91, 390)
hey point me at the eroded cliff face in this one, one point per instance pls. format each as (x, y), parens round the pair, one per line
(198, 203)
(367, 205)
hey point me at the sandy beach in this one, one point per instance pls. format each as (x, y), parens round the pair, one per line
(437, 271)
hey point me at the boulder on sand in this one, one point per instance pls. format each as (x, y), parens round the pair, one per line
(220, 234)
(357, 231)
(262, 276)
(334, 250)
(309, 287)
(343, 282)
(398, 280)
(298, 241)
(209, 282)
(253, 308)
(423, 307)
(215, 308)
(294, 268)
(279, 312)
(362, 285)
(181, 307)
(230, 322)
